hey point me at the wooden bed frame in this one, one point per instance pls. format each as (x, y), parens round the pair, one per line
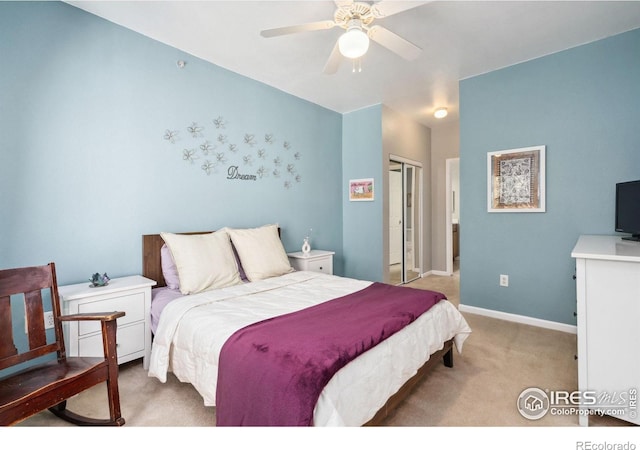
(152, 268)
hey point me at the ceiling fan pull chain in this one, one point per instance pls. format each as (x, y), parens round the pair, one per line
(357, 65)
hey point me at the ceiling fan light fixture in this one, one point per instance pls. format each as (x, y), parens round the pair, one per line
(354, 42)
(440, 113)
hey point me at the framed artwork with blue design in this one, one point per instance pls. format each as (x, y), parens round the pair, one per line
(516, 180)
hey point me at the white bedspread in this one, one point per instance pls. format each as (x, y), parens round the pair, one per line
(193, 329)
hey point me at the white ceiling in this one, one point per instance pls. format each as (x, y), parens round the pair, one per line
(459, 39)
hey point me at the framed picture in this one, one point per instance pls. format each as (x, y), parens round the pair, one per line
(361, 190)
(516, 180)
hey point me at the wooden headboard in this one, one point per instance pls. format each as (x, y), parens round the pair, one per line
(151, 261)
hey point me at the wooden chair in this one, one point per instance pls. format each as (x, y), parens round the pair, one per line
(48, 384)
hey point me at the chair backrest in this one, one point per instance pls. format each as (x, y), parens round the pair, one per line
(29, 283)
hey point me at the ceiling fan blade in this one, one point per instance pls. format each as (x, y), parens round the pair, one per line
(341, 3)
(386, 8)
(313, 26)
(394, 42)
(333, 62)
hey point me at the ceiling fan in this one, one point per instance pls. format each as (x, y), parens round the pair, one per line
(357, 19)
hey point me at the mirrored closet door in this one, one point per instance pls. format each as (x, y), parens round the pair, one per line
(405, 220)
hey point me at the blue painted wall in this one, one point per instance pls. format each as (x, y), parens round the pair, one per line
(85, 168)
(362, 158)
(584, 105)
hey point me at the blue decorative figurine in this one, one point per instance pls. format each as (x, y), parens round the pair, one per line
(98, 280)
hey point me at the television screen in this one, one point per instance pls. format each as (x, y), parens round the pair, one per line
(628, 208)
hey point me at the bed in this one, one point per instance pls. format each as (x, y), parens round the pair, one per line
(193, 325)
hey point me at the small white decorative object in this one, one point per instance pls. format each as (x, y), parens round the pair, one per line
(306, 247)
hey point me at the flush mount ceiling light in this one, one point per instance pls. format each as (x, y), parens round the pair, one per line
(440, 113)
(354, 43)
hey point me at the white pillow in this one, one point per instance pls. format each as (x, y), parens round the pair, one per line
(261, 252)
(204, 261)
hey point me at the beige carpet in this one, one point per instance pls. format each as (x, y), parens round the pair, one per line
(499, 360)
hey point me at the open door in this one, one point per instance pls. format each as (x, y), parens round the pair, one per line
(395, 215)
(452, 213)
(411, 207)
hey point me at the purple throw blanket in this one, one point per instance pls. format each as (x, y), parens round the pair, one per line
(271, 373)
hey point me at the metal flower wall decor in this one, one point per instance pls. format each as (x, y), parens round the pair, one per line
(247, 157)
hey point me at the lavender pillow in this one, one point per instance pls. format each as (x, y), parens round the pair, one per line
(243, 276)
(169, 269)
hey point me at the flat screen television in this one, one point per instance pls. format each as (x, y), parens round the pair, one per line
(628, 209)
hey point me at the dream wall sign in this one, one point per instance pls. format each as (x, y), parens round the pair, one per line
(246, 157)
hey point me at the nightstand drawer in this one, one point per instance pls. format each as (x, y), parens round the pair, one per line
(129, 340)
(324, 265)
(131, 304)
(314, 261)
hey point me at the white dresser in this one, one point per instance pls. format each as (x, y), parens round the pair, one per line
(608, 316)
(315, 261)
(129, 294)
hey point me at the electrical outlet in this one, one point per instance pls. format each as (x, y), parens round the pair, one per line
(504, 280)
(48, 319)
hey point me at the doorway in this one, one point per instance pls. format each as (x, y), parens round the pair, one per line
(452, 214)
(405, 220)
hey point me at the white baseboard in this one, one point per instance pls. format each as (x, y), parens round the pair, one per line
(440, 273)
(520, 319)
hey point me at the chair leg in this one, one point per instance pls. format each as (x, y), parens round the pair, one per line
(60, 409)
(109, 331)
(114, 401)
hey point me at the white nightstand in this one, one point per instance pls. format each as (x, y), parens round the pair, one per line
(315, 261)
(129, 294)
